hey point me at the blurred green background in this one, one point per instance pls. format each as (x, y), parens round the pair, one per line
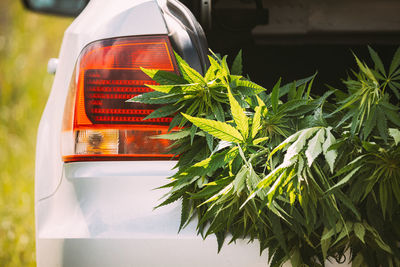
(27, 41)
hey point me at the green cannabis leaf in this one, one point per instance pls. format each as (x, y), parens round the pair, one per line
(308, 177)
(218, 129)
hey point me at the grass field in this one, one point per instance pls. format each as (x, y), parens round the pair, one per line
(27, 41)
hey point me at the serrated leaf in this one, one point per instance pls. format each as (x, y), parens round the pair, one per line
(260, 101)
(162, 112)
(299, 144)
(255, 127)
(164, 77)
(395, 133)
(254, 88)
(210, 141)
(182, 63)
(286, 88)
(213, 70)
(310, 85)
(285, 143)
(364, 68)
(224, 66)
(386, 105)
(162, 88)
(175, 122)
(277, 228)
(278, 258)
(193, 173)
(218, 111)
(359, 230)
(348, 203)
(260, 140)
(240, 118)
(297, 107)
(214, 61)
(370, 147)
(383, 245)
(328, 233)
(226, 190)
(171, 199)
(188, 73)
(221, 145)
(295, 259)
(240, 179)
(378, 75)
(237, 66)
(275, 96)
(211, 188)
(218, 129)
(383, 197)
(252, 180)
(174, 135)
(382, 124)
(193, 130)
(392, 116)
(185, 212)
(194, 107)
(292, 91)
(395, 62)
(396, 75)
(277, 185)
(377, 60)
(355, 122)
(155, 98)
(300, 91)
(330, 155)
(370, 122)
(348, 115)
(220, 240)
(345, 232)
(395, 89)
(315, 146)
(344, 180)
(325, 243)
(300, 168)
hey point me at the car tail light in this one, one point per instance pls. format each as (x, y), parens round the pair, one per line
(98, 122)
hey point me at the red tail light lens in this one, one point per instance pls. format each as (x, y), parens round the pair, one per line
(98, 123)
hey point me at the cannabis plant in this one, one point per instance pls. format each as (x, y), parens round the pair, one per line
(311, 178)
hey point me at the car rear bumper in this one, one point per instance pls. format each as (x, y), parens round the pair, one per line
(161, 251)
(102, 215)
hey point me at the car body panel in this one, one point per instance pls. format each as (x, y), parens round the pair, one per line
(103, 214)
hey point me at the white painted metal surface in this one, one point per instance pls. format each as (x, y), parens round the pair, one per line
(102, 215)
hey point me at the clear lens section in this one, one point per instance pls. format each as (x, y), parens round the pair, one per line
(142, 142)
(94, 142)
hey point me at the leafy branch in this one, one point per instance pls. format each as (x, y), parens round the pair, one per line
(310, 177)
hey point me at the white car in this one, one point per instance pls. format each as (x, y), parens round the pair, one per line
(96, 167)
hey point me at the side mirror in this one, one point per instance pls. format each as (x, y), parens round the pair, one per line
(70, 8)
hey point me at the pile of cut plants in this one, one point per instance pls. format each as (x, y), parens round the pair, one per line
(310, 178)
